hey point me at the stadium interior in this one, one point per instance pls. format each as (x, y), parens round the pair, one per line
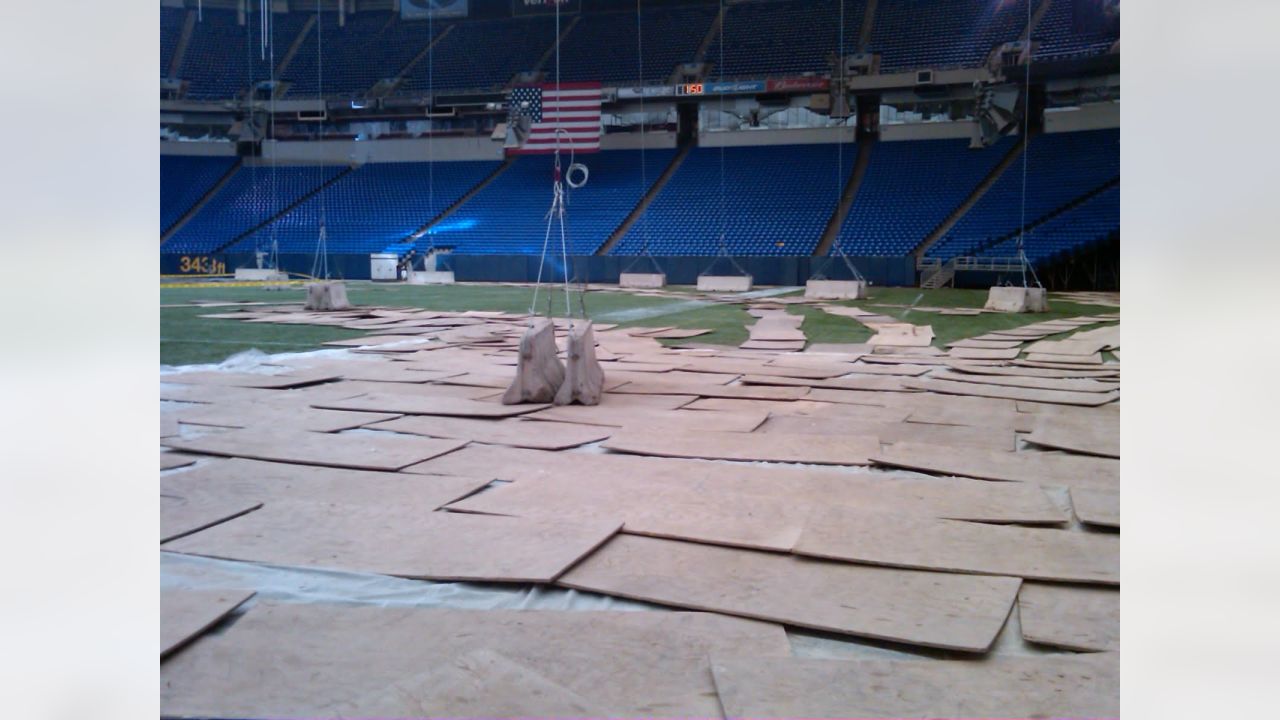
(892, 131)
(641, 358)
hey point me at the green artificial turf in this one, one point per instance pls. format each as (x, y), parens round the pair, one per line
(186, 338)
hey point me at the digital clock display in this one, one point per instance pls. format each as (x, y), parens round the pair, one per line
(689, 89)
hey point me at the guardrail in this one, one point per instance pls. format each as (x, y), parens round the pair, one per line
(994, 264)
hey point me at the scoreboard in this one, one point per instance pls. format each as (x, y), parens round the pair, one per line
(689, 89)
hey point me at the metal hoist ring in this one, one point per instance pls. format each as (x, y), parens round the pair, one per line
(568, 176)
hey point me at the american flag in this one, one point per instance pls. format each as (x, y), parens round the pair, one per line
(575, 107)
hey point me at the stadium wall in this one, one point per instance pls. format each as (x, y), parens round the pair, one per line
(886, 271)
(1093, 116)
(926, 131)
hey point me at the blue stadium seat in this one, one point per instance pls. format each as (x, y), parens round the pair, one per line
(171, 20)
(483, 54)
(184, 180)
(225, 58)
(1061, 167)
(777, 201)
(1075, 28)
(1089, 222)
(371, 46)
(603, 46)
(371, 207)
(781, 38)
(912, 34)
(910, 188)
(252, 196)
(509, 215)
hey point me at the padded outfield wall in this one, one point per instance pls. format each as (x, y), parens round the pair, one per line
(885, 271)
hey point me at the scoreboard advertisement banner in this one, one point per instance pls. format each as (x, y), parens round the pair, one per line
(422, 9)
(798, 84)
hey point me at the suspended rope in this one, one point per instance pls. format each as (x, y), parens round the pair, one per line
(1026, 150)
(555, 214)
(837, 249)
(431, 134)
(271, 131)
(319, 263)
(644, 166)
(723, 251)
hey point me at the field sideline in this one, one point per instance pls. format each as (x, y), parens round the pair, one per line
(186, 338)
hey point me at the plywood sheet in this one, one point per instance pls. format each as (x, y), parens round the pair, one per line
(390, 372)
(1024, 687)
(1070, 617)
(895, 359)
(185, 614)
(316, 660)
(893, 432)
(253, 482)
(1033, 383)
(248, 380)
(616, 417)
(781, 407)
(1097, 437)
(368, 451)
(677, 377)
(258, 414)
(215, 393)
(1096, 506)
(1032, 362)
(838, 348)
(183, 511)
(351, 388)
(879, 538)
(404, 540)
(774, 345)
(1020, 370)
(735, 367)
(1094, 359)
(765, 447)
(888, 369)
(961, 612)
(750, 392)
(172, 460)
(951, 387)
(480, 683)
(900, 335)
(972, 353)
(516, 433)
(405, 404)
(984, 344)
(1035, 467)
(956, 498)
(761, 509)
(1070, 346)
(677, 333)
(853, 382)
